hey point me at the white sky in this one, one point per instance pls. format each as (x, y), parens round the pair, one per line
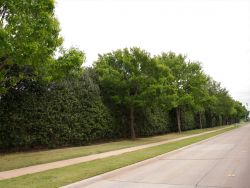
(214, 32)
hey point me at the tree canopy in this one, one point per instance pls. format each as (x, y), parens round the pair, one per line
(29, 37)
(131, 78)
(134, 79)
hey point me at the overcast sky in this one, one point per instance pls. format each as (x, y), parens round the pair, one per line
(214, 32)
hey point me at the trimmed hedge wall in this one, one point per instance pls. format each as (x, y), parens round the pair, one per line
(70, 113)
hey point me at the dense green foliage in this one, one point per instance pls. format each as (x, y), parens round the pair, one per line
(188, 83)
(29, 38)
(75, 112)
(29, 35)
(50, 101)
(164, 91)
(131, 79)
(70, 113)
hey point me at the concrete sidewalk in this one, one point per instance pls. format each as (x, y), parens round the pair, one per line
(68, 162)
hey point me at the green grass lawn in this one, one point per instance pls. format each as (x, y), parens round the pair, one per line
(66, 175)
(24, 159)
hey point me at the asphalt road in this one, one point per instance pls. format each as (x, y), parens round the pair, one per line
(220, 162)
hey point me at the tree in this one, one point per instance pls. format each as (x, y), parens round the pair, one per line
(222, 106)
(29, 37)
(240, 112)
(211, 106)
(177, 67)
(68, 64)
(131, 78)
(197, 87)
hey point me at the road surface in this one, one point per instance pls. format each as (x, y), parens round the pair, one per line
(220, 162)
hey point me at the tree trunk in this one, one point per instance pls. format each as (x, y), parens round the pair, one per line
(132, 128)
(178, 118)
(200, 120)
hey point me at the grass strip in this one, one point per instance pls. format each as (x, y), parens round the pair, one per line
(24, 159)
(66, 175)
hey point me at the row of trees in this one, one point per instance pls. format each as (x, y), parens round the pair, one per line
(133, 79)
(49, 100)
